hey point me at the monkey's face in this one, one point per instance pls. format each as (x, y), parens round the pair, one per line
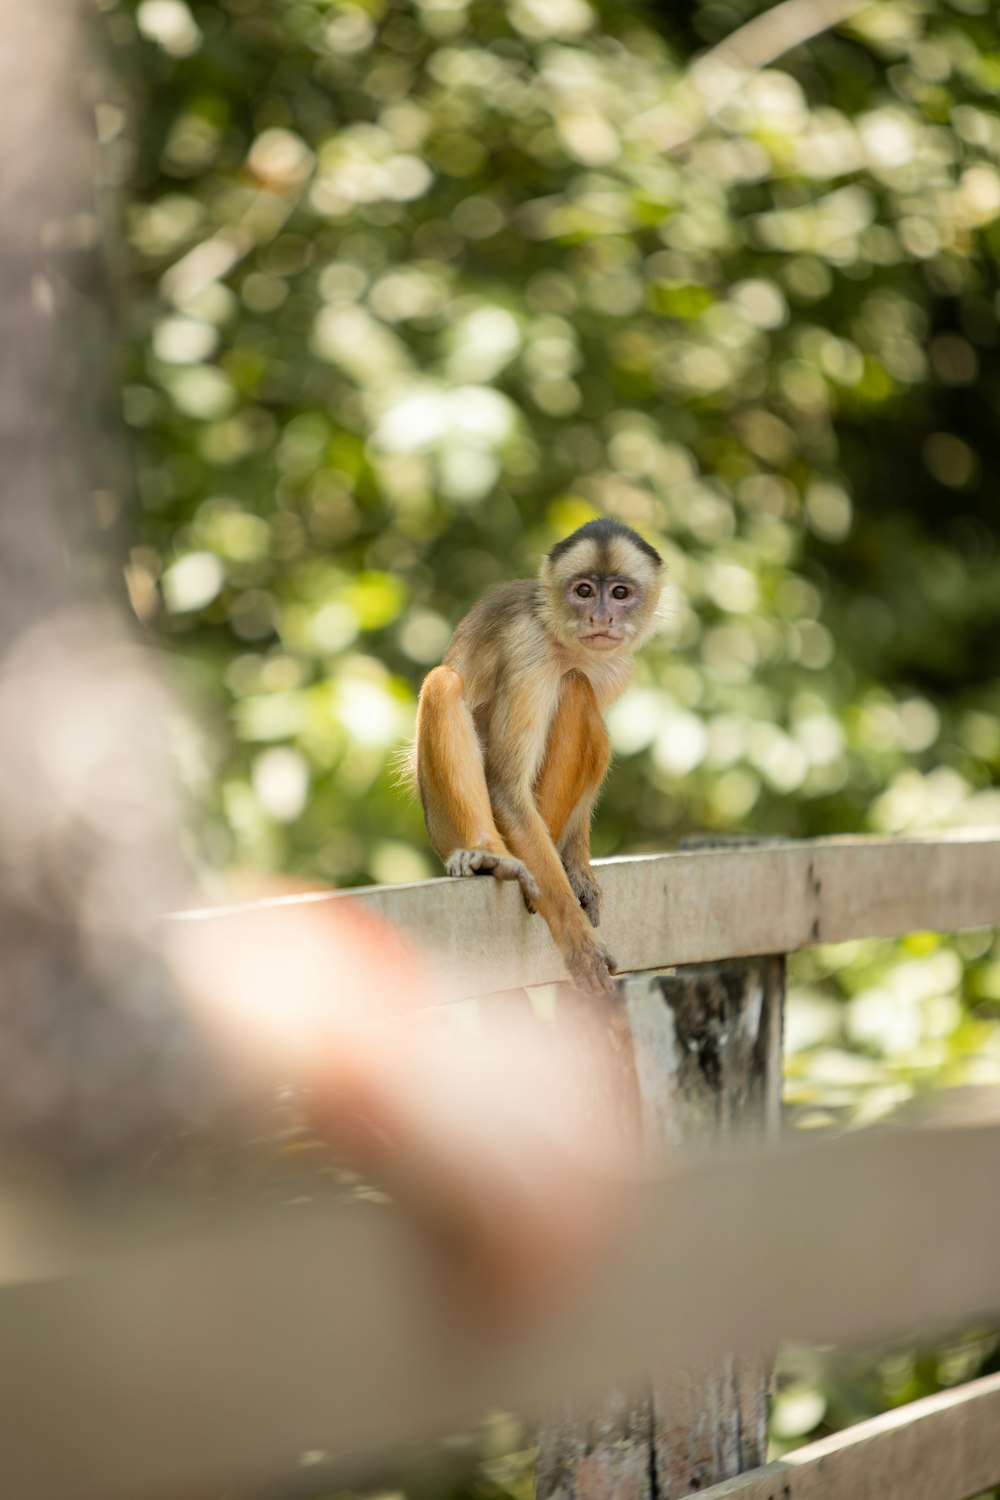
(603, 585)
(604, 610)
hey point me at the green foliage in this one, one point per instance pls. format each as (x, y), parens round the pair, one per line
(418, 287)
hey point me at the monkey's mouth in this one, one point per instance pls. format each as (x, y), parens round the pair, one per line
(602, 640)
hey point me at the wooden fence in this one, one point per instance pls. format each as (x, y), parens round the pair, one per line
(265, 1355)
(702, 904)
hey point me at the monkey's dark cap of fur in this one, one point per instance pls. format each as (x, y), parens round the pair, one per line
(602, 530)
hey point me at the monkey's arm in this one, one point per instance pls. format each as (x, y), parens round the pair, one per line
(577, 757)
(572, 771)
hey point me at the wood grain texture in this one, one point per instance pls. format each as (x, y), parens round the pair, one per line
(946, 1447)
(726, 1067)
(699, 905)
(707, 1046)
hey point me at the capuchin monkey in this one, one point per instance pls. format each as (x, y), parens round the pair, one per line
(511, 748)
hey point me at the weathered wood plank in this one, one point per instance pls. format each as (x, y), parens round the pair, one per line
(707, 1045)
(699, 905)
(728, 1022)
(946, 1447)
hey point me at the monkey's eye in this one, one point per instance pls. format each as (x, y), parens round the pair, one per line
(619, 591)
(583, 591)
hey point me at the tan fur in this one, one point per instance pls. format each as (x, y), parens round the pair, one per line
(577, 755)
(450, 768)
(511, 749)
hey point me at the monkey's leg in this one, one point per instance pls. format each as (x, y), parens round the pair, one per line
(452, 782)
(576, 761)
(525, 832)
(588, 964)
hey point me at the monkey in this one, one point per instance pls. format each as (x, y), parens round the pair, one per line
(511, 748)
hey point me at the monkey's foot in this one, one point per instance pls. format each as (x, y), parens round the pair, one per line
(500, 866)
(586, 890)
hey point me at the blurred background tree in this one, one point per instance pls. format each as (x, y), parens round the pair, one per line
(417, 286)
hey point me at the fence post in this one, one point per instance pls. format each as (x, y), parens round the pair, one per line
(707, 1042)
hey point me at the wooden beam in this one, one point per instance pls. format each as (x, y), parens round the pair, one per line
(945, 1447)
(177, 1358)
(169, 1357)
(698, 905)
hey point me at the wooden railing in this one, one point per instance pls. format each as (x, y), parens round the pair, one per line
(702, 904)
(281, 1335)
(945, 1445)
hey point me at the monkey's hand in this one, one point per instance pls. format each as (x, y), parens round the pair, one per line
(591, 969)
(586, 890)
(500, 866)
